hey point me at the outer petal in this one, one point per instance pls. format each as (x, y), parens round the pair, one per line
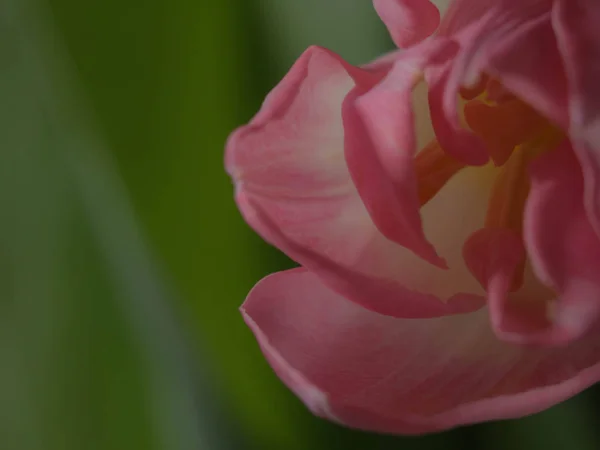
(564, 250)
(408, 21)
(392, 375)
(576, 26)
(294, 188)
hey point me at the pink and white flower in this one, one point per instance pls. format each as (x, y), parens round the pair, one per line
(443, 203)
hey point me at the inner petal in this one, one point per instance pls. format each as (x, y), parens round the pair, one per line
(507, 200)
(515, 135)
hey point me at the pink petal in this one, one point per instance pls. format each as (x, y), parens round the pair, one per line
(494, 256)
(380, 145)
(462, 14)
(576, 26)
(454, 139)
(444, 86)
(293, 187)
(408, 21)
(384, 374)
(533, 70)
(563, 247)
(494, 253)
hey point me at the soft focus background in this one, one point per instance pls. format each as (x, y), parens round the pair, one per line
(123, 260)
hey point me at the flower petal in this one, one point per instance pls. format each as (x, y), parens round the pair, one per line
(380, 144)
(576, 26)
(408, 21)
(457, 141)
(447, 82)
(379, 373)
(294, 188)
(496, 257)
(493, 255)
(563, 247)
(533, 70)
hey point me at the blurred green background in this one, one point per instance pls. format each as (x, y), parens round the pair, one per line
(123, 260)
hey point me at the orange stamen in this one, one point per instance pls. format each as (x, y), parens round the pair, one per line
(503, 126)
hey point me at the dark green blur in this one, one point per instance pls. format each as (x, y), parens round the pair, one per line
(123, 259)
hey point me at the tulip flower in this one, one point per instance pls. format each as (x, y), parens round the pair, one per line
(443, 206)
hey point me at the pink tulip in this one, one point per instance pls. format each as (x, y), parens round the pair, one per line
(443, 203)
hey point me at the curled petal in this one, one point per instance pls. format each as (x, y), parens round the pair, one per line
(445, 84)
(408, 21)
(392, 201)
(380, 144)
(384, 374)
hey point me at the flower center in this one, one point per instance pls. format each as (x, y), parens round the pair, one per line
(514, 134)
